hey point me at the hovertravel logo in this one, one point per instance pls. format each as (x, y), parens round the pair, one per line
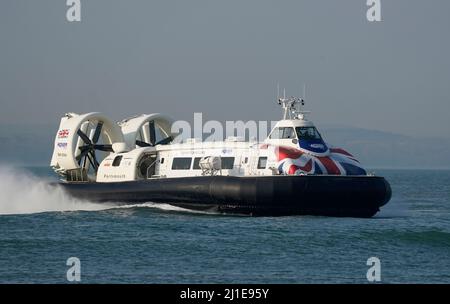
(317, 146)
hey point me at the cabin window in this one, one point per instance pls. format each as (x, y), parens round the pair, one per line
(275, 134)
(288, 133)
(227, 162)
(262, 162)
(161, 161)
(116, 161)
(246, 160)
(283, 133)
(196, 164)
(181, 163)
(307, 133)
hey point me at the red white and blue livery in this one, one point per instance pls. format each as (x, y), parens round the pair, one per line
(293, 172)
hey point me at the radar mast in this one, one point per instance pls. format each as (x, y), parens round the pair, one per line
(292, 106)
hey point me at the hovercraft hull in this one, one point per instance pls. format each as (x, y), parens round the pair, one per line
(349, 196)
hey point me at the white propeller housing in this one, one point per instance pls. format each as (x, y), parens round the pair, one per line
(68, 142)
(137, 128)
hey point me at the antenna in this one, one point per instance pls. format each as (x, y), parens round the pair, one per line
(278, 90)
(304, 94)
(292, 106)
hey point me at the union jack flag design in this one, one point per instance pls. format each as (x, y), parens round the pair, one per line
(293, 161)
(63, 133)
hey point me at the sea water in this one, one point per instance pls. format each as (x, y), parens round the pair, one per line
(40, 228)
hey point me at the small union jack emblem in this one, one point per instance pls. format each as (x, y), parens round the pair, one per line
(63, 133)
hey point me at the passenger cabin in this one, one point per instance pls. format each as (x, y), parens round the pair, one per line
(237, 158)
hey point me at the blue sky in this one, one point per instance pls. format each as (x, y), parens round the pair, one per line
(224, 58)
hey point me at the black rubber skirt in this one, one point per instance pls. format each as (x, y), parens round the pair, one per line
(326, 195)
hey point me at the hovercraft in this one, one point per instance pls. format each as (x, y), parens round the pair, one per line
(138, 160)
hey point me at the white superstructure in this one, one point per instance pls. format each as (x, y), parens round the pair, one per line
(90, 147)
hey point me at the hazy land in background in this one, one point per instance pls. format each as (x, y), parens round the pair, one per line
(29, 145)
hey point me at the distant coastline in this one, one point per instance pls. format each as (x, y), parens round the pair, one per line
(31, 145)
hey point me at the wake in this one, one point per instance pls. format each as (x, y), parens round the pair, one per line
(166, 207)
(23, 193)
